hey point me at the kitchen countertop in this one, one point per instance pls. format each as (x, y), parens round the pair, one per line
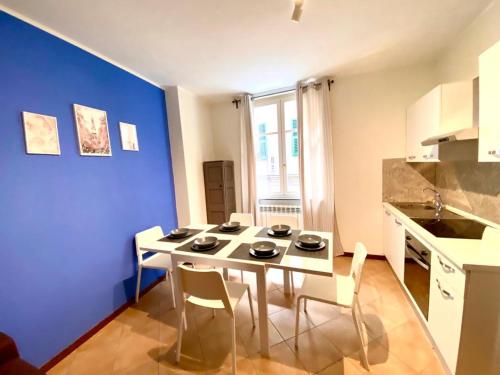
(473, 255)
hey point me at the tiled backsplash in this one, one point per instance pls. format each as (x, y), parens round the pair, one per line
(468, 185)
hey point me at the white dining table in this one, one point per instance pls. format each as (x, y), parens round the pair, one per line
(304, 264)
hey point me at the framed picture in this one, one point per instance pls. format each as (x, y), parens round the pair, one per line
(128, 134)
(40, 134)
(93, 132)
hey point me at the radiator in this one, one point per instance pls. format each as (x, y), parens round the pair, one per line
(270, 214)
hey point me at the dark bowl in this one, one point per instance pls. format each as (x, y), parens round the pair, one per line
(204, 242)
(309, 240)
(230, 225)
(263, 247)
(280, 229)
(179, 232)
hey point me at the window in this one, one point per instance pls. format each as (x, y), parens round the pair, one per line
(277, 147)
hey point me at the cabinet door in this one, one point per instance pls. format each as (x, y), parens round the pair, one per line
(445, 315)
(394, 240)
(387, 236)
(489, 107)
(423, 119)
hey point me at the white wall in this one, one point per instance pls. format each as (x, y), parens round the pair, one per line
(459, 61)
(191, 144)
(226, 135)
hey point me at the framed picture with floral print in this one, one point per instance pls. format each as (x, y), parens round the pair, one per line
(92, 130)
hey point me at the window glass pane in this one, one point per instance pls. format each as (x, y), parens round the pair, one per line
(268, 165)
(292, 162)
(290, 114)
(266, 118)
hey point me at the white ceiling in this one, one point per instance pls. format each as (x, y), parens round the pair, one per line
(215, 47)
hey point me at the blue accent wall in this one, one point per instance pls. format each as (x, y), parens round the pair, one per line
(67, 223)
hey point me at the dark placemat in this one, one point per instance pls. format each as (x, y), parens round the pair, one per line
(292, 237)
(187, 248)
(241, 252)
(319, 254)
(217, 231)
(192, 232)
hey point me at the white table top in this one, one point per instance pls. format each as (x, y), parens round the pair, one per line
(290, 262)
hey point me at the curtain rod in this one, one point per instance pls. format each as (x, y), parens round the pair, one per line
(273, 92)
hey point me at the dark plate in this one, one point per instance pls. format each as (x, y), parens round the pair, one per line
(308, 248)
(199, 248)
(263, 247)
(274, 253)
(280, 229)
(272, 234)
(179, 233)
(309, 240)
(204, 242)
(230, 225)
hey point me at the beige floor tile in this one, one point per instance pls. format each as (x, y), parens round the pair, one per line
(62, 368)
(249, 337)
(409, 343)
(342, 367)
(319, 312)
(342, 265)
(281, 361)
(314, 350)
(137, 354)
(342, 334)
(284, 321)
(434, 368)
(192, 360)
(95, 360)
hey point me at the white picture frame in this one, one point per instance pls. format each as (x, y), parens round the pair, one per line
(128, 134)
(41, 135)
(92, 130)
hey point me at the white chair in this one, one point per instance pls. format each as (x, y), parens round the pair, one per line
(245, 220)
(337, 290)
(292, 222)
(157, 261)
(207, 288)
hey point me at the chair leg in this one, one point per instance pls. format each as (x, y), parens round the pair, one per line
(138, 288)
(305, 305)
(185, 320)
(169, 273)
(241, 275)
(251, 305)
(364, 358)
(233, 337)
(297, 312)
(213, 313)
(179, 336)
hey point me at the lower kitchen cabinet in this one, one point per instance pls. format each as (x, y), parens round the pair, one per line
(394, 244)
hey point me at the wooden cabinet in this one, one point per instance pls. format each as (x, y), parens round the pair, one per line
(489, 107)
(219, 190)
(446, 304)
(422, 121)
(394, 244)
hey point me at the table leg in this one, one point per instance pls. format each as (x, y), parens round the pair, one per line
(225, 274)
(262, 302)
(286, 281)
(179, 296)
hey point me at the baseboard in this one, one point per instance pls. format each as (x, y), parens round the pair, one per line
(87, 335)
(369, 256)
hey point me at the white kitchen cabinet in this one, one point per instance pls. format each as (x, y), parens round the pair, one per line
(489, 107)
(446, 305)
(422, 121)
(394, 243)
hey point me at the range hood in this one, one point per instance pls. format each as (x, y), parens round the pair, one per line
(471, 131)
(459, 135)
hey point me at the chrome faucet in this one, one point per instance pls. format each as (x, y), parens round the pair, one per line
(438, 202)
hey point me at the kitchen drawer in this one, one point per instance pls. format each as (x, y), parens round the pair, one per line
(453, 276)
(445, 319)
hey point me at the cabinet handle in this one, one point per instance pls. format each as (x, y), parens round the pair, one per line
(446, 267)
(387, 213)
(444, 292)
(428, 156)
(397, 222)
(494, 152)
(411, 157)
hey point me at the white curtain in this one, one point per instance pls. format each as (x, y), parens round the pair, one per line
(248, 188)
(316, 167)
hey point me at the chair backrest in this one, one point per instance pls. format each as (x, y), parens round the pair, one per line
(358, 260)
(291, 221)
(244, 219)
(205, 284)
(148, 235)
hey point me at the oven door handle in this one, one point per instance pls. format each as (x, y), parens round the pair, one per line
(412, 255)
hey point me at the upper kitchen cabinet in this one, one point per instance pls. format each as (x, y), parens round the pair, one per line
(447, 113)
(422, 120)
(489, 108)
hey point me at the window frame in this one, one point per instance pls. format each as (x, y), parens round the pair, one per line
(278, 100)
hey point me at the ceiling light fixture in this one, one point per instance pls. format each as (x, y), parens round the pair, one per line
(297, 10)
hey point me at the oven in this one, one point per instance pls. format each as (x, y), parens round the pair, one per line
(417, 273)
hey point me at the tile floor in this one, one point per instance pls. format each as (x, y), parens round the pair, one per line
(142, 339)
